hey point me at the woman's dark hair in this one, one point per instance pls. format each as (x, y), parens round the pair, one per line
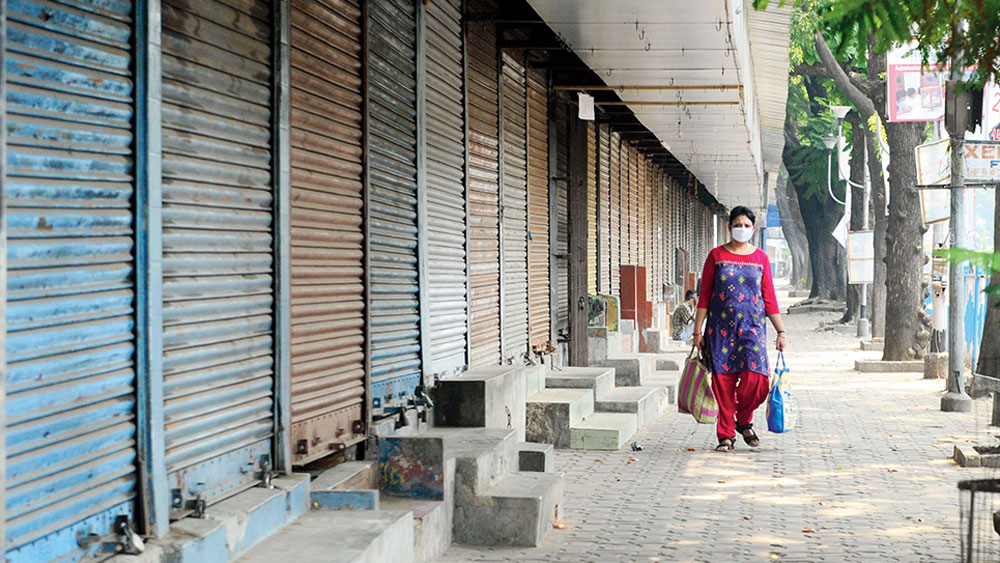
(689, 294)
(744, 211)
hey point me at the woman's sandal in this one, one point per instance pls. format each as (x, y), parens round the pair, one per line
(726, 445)
(751, 439)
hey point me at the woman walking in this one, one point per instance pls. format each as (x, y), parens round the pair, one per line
(737, 296)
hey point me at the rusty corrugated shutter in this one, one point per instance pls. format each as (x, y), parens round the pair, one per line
(633, 206)
(484, 187)
(218, 265)
(514, 210)
(327, 243)
(592, 218)
(641, 211)
(392, 151)
(538, 209)
(444, 120)
(604, 209)
(616, 214)
(69, 182)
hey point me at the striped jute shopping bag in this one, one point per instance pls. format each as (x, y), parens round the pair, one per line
(694, 392)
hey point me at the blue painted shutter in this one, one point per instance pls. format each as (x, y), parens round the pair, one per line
(217, 246)
(70, 376)
(393, 282)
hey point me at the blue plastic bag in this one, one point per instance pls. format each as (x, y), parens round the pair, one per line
(782, 408)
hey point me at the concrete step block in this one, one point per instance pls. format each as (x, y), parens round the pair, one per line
(534, 379)
(416, 466)
(659, 341)
(540, 458)
(516, 511)
(367, 536)
(872, 346)
(645, 402)
(490, 397)
(347, 476)
(235, 525)
(481, 456)
(666, 380)
(879, 366)
(603, 431)
(431, 525)
(552, 412)
(630, 368)
(356, 499)
(602, 344)
(601, 380)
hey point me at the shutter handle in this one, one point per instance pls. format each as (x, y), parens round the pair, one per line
(582, 303)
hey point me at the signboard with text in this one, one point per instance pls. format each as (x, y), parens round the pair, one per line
(914, 92)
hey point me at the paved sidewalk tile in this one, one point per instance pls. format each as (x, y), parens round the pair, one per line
(866, 476)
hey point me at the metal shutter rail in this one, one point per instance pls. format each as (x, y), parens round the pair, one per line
(515, 207)
(70, 378)
(327, 205)
(591, 208)
(446, 214)
(484, 189)
(616, 214)
(538, 209)
(218, 357)
(604, 209)
(633, 207)
(393, 276)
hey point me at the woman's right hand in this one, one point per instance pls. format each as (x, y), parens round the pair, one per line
(699, 340)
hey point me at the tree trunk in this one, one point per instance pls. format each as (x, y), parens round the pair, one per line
(880, 221)
(904, 260)
(989, 350)
(857, 205)
(794, 229)
(821, 214)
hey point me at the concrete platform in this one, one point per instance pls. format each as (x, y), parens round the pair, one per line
(371, 536)
(644, 402)
(552, 412)
(668, 382)
(235, 525)
(600, 380)
(878, 366)
(431, 525)
(540, 458)
(603, 431)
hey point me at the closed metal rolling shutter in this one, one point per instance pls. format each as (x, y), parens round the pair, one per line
(327, 205)
(562, 217)
(591, 208)
(604, 209)
(515, 207)
(538, 209)
(616, 214)
(642, 211)
(70, 378)
(484, 189)
(446, 218)
(218, 357)
(393, 272)
(632, 255)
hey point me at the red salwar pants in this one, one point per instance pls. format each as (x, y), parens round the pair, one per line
(738, 395)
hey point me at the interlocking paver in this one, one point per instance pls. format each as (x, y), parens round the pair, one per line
(866, 476)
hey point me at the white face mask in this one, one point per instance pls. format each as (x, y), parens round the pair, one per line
(742, 234)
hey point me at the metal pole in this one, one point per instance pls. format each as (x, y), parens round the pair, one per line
(864, 327)
(956, 400)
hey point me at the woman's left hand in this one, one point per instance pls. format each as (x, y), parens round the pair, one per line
(781, 342)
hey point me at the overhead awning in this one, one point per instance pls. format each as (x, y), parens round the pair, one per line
(707, 78)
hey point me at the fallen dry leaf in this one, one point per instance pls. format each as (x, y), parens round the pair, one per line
(808, 531)
(691, 450)
(746, 517)
(721, 481)
(893, 471)
(560, 525)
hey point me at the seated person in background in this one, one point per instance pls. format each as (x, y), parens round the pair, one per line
(682, 323)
